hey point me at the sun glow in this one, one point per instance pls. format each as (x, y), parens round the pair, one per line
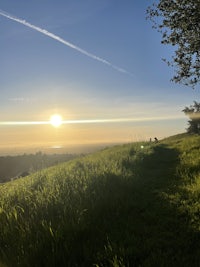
(56, 120)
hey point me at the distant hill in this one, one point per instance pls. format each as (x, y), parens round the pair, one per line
(130, 205)
(13, 167)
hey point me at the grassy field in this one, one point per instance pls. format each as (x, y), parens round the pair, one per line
(131, 205)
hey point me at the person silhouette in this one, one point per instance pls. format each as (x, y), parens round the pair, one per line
(156, 139)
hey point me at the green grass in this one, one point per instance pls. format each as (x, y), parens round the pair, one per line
(123, 206)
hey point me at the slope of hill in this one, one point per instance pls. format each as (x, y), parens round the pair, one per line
(130, 205)
(12, 167)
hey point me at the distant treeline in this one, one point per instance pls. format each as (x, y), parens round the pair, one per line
(12, 167)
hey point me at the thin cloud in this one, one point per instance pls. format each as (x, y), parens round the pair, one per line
(59, 39)
(22, 99)
(91, 121)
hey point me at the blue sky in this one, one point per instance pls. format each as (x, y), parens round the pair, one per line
(41, 76)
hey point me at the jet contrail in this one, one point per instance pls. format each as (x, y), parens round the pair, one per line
(59, 39)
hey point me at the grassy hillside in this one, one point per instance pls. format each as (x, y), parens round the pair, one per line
(130, 205)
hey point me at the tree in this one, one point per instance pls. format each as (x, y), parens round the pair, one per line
(179, 23)
(193, 111)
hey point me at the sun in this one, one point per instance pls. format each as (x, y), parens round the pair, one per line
(56, 120)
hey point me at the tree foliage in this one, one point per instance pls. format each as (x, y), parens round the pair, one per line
(193, 111)
(179, 23)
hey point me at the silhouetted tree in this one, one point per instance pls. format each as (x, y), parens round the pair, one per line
(193, 111)
(179, 23)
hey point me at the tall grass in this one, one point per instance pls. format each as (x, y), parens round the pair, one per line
(130, 205)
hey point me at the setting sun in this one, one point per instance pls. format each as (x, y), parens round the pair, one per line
(56, 120)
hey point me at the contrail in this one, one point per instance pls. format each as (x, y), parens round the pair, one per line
(59, 39)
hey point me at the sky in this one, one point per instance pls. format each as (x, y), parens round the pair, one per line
(97, 63)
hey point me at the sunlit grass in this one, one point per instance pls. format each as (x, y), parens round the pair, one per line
(130, 205)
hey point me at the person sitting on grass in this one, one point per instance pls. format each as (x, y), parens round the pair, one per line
(156, 139)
